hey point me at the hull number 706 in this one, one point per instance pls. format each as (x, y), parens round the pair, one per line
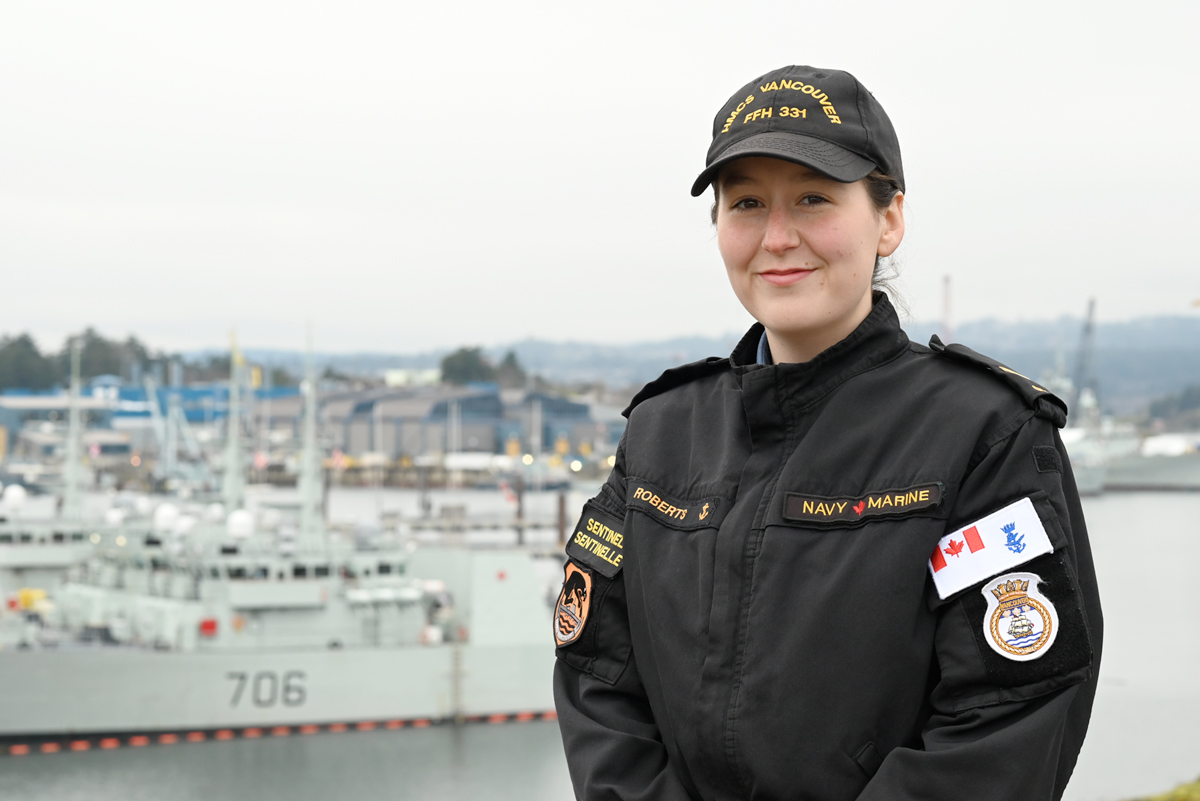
(268, 688)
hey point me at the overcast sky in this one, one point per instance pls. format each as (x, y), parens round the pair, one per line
(419, 175)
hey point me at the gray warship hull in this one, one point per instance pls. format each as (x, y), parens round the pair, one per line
(1155, 474)
(115, 690)
(499, 662)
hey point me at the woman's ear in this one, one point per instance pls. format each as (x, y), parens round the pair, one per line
(893, 226)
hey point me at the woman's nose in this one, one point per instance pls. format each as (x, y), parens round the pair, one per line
(781, 234)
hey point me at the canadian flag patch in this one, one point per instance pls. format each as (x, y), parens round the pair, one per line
(989, 546)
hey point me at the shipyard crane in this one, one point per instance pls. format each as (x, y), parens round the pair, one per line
(233, 480)
(1084, 378)
(170, 431)
(947, 322)
(312, 518)
(164, 467)
(72, 497)
(190, 442)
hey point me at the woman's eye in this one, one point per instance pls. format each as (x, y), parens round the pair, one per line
(812, 200)
(747, 203)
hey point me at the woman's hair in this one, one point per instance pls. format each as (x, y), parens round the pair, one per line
(882, 189)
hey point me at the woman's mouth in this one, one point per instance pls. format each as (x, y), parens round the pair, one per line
(785, 277)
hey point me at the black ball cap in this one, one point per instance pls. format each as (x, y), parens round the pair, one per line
(823, 119)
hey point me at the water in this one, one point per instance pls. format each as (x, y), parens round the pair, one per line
(517, 761)
(1144, 735)
(1145, 730)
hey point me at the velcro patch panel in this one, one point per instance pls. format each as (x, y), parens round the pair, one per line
(1051, 648)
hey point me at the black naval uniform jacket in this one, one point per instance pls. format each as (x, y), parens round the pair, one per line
(734, 648)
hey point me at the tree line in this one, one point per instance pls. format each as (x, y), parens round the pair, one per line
(469, 365)
(1177, 404)
(24, 366)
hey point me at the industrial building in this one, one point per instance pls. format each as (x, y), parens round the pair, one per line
(383, 426)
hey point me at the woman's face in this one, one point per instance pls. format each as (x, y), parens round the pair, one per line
(800, 251)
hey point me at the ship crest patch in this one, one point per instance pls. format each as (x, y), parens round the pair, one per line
(1020, 623)
(574, 602)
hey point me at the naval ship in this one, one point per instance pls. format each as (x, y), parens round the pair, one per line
(238, 638)
(204, 626)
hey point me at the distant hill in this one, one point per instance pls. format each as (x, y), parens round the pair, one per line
(1135, 362)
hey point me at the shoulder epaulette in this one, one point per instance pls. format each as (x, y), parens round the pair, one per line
(676, 376)
(1043, 402)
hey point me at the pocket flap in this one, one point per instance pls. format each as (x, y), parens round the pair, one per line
(685, 514)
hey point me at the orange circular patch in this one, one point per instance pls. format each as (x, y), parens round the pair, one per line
(574, 602)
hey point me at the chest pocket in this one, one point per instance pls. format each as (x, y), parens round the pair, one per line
(671, 541)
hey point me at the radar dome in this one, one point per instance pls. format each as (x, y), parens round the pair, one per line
(14, 496)
(165, 516)
(240, 524)
(183, 526)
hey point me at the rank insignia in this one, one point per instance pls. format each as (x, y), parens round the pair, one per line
(571, 612)
(1020, 623)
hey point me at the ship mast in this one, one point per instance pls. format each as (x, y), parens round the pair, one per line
(947, 321)
(72, 492)
(311, 523)
(1083, 366)
(233, 485)
(171, 446)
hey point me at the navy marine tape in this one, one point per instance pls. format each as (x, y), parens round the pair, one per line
(798, 507)
(598, 541)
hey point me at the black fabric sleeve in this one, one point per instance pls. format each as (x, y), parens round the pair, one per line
(1004, 729)
(613, 745)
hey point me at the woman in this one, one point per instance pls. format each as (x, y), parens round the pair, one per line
(837, 564)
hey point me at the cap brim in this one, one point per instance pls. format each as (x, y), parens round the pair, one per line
(817, 154)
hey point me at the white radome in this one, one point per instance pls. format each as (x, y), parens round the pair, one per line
(14, 497)
(165, 516)
(183, 526)
(240, 524)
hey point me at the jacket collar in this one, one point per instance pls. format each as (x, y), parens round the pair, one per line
(878, 339)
